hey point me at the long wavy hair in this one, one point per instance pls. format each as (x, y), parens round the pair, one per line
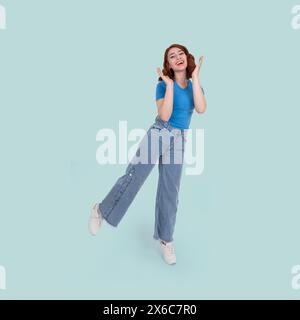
(167, 71)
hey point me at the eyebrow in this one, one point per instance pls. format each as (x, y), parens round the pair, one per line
(174, 52)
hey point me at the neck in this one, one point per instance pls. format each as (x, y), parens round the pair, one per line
(180, 77)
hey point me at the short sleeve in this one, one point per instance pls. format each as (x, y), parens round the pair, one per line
(160, 90)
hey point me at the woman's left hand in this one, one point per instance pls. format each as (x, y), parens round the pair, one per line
(195, 73)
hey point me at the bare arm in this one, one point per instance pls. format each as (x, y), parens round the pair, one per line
(199, 99)
(165, 105)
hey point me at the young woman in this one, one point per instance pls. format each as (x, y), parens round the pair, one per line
(176, 98)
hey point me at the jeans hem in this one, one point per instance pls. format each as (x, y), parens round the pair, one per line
(158, 238)
(113, 225)
(105, 218)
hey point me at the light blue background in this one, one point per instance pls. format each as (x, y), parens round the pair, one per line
(70, 68)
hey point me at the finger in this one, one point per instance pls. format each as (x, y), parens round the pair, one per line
(160, 72)
(200, 61)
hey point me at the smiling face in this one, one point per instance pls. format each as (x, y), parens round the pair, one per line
(177, 59)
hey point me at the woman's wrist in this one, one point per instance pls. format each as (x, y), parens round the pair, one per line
(195, 78)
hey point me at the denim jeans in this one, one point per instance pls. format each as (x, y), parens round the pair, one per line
(163, 144)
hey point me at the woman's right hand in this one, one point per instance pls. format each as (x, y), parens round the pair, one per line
(166, 79)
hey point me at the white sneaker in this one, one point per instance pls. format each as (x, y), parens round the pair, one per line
(95, 220)
(168, 252)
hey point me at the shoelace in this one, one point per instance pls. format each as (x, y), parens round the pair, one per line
(170, 248)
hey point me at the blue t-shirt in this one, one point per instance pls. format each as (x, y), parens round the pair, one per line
(183, 103)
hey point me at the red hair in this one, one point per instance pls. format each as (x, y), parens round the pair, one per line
(190, 62)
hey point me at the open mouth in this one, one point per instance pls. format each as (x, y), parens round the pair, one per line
(179, 63)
